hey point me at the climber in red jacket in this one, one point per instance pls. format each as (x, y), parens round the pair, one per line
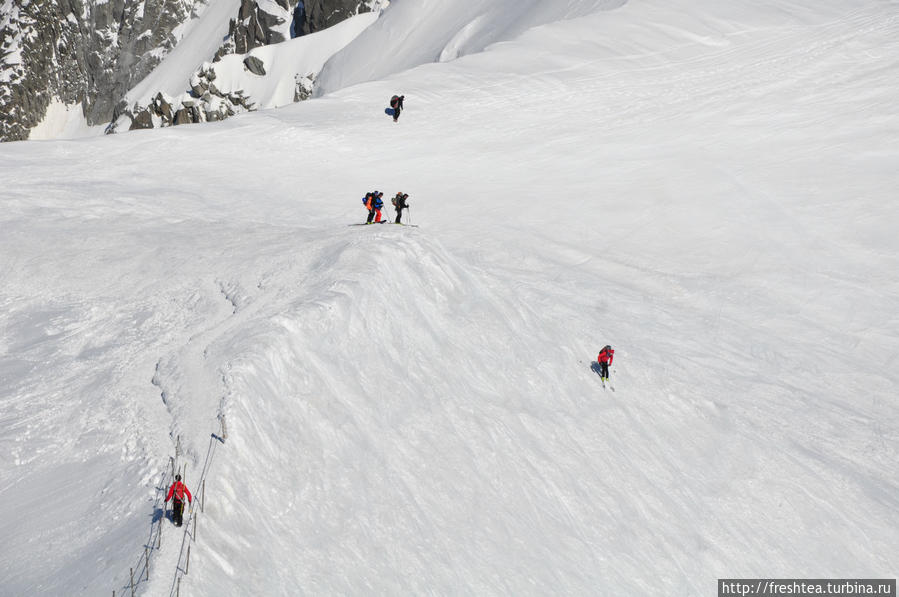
(178, 490)
(604, 358)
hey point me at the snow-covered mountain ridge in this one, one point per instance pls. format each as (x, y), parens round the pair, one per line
(85, 55)
(71, 69)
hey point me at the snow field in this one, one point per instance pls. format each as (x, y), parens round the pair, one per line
(411, 410)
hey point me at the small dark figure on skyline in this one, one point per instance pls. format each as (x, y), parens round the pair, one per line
(396, 102)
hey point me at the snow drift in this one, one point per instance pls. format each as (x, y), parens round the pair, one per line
(413, 33)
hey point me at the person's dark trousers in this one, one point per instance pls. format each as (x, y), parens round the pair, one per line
(396, 114)
(177, 512)
(604, 370)
(371, 216)
(399, 214)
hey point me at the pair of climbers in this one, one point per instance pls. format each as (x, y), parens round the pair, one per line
(373, 202)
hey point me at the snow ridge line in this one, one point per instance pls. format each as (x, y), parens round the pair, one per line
(182, 566)
(154, 541)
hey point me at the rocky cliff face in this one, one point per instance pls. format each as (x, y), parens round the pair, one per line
(275, 21)
(91, 52)
(79, 51)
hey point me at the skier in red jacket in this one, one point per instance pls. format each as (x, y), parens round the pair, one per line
(604, 358)
(178, 490)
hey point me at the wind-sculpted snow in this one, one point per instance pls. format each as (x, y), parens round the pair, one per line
(411, 410)
(396, 392)
(409, 34)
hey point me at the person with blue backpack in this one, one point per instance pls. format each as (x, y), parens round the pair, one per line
(373, 203)
(396, 103)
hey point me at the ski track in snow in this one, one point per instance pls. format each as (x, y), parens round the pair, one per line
(413, 410)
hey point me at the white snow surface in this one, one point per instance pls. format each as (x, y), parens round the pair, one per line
(405, 43)
(63, 121)
(709, 186)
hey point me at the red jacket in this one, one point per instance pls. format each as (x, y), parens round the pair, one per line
(606, 355)
(179, 489)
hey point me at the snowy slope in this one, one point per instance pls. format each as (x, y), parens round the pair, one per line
(705, 185)
(399, 41)
(284, 61)
(201, 37)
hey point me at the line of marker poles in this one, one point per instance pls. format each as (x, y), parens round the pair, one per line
(193, 536)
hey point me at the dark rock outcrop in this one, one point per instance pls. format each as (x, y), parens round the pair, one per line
(254, 65)
(142, 120)
(321, 14)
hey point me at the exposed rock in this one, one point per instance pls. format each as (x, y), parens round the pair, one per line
(142, 120)
(247, 7)
(198, 85)
(304, 87)
(321, 14)
(186, 116)
(268, 23)
(80, 52)
(254, 65)
(162, 108)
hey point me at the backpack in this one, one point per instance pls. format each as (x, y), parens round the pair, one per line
(394, 101)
